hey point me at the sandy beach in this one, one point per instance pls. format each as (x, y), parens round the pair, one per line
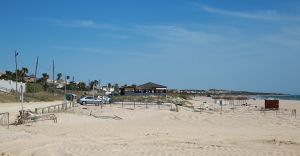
(157, 132)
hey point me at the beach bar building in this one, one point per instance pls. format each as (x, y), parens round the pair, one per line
(149, 88)
(128, 90)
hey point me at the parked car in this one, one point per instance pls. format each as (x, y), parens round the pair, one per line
(90, 100)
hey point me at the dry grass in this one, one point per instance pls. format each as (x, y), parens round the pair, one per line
(31, 97)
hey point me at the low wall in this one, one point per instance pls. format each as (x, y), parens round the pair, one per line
(9, 85)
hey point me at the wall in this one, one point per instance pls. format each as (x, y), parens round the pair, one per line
(9, 85)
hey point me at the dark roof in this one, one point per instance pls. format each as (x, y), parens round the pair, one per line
(151, 85)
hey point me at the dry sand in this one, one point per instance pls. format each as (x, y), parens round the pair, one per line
(157, 132)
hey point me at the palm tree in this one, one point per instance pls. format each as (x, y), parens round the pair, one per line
(45, 77)
(59, 75)
(43, 81)
(93, 83)
(8, 75)
(24, 70)
(81, 86)
(116, 88)
(23, 73)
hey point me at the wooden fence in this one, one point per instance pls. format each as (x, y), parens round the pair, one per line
(133, 105)
(54, 108)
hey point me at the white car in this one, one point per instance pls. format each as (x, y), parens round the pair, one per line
(90, 100)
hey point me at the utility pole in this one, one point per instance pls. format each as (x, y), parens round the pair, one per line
(36, 67)
(99, 87)
(65, 84)
(93, 89)
(16, 54)
(53, 78)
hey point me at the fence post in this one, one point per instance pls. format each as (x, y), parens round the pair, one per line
(42, 110)
(293, 113)
(36, 110)
(8, 120)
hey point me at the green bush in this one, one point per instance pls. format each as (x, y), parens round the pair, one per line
(34, 87)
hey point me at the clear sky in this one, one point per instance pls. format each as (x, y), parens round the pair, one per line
(249, 45)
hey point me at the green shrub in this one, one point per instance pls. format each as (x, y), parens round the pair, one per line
(34, 87)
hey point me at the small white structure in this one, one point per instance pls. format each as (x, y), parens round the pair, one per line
(108, 90)
(9, 85)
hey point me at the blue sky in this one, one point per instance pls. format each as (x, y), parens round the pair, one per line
(241, 45)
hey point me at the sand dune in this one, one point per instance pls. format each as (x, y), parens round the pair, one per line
(156, 132)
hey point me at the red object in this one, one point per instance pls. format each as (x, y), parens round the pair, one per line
(272, 104)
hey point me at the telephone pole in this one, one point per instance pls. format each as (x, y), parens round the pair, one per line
(36, 67)
(16, 61)
(65, 84)
(53, 78)
(99, 87)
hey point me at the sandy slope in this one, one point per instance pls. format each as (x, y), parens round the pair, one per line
(13, 108)
(157, 132)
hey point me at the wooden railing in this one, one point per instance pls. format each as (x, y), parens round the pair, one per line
(54, 108)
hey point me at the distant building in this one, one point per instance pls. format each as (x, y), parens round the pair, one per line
(108, 90)
(128, 90)
(60, 83)
(144, 89)
(151, 87)
(29, 79)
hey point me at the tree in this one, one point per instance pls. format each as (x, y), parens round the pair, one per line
(24, 71)
(72, 86)
(22, 74)
(109, 85)
(59, 75)
(116, 88)
(82, 86)
(93, 83)
(43, 81)
(8, 75)
(45, 77)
